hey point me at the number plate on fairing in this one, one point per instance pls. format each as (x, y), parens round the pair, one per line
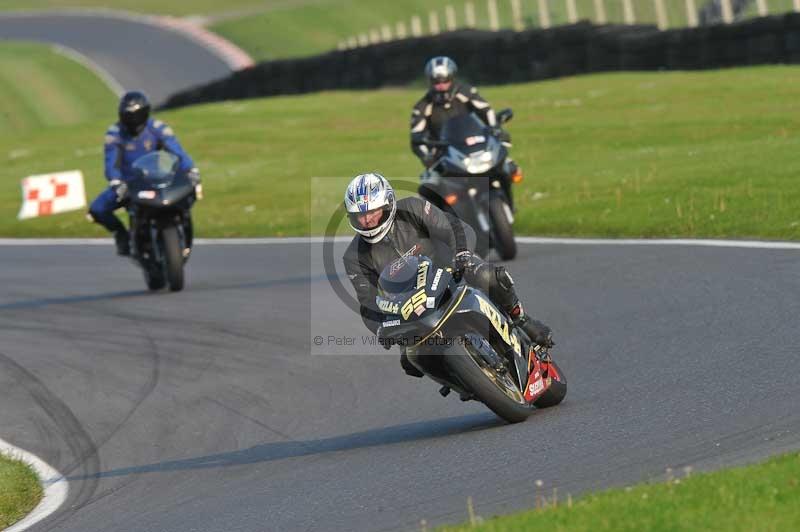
(537, 385)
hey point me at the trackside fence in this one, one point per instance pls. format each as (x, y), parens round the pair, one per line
(494, 15)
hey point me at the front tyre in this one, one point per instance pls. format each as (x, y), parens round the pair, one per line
(497, 391)
(502, 217)
(174, 257)
(154, 278)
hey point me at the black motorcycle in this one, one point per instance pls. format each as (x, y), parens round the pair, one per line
(160, 197)
(472, 179)
(454, 334)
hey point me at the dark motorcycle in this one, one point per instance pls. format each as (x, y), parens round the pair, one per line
(472, 179)
(454, 334)
(159, 201)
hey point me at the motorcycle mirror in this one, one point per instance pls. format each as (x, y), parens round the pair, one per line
(505, 115)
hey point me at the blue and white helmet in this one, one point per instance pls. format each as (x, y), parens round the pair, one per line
(365, 193)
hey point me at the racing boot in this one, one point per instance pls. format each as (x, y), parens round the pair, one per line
(122, 239)
(500, 286)
(408, 367)
(538, 331)
(116, 227)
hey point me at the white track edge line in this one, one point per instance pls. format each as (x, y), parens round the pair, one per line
(743, 244)
(747, 244)
(55, 486)
(110, 81)
(225, 50)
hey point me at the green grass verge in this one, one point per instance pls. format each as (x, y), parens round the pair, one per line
(20, 490)
(274, 29)
(39, 87)
(672, 154)
(270, 29)
(321, 26)
(763, 497)
(774, 6)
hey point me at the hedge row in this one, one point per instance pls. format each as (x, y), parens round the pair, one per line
(486, 57)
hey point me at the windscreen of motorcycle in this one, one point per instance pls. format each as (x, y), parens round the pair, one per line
(157, 168)
(466, 133)
(399, 277)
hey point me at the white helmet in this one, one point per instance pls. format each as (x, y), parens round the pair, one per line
(367, 192)
(440, 68)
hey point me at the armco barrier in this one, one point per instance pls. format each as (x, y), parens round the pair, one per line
(506, 57)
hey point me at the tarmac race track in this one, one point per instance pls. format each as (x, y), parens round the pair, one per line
(206, 410)
(137, 55)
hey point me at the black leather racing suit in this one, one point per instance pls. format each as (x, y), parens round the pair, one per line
(433, 110)
(421, 228)
(436, 108)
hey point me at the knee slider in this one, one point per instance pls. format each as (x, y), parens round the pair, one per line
(101, 217)
(504, 278)
(483, 275)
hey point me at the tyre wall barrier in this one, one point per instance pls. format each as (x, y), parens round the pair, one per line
(496, 57)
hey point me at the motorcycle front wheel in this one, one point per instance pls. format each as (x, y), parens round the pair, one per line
(174, 257)
(504, 241)
(497, 390)
(153, 278)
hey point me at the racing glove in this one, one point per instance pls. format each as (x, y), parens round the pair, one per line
(502, 135)
(429, 160)
(120, 188)
(383, 340)
(462, 261)
(194, 178)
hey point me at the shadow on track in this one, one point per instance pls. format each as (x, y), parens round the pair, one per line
(68, 300)
(269, 452)
(108, 296)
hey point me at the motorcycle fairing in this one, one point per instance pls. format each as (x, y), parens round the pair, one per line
(412, 315)
(479, 314)
(540, 378)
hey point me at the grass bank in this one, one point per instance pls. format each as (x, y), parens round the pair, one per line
(316, 27)
(20, 490)
(40, 88)
(670, 154)
(275, 29)
(763, 497)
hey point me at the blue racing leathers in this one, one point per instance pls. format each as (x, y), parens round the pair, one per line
(121, 150)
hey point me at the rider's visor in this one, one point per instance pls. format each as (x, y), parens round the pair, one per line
(442, 84)
(134, 118)
(368, 220)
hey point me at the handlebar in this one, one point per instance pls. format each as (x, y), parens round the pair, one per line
(430, 142)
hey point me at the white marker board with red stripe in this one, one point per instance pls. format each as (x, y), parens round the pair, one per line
(46, 194)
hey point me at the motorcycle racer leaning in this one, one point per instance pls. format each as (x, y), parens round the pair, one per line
(388, 229)
(134, 135)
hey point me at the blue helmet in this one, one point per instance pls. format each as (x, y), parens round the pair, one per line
(366, 193)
